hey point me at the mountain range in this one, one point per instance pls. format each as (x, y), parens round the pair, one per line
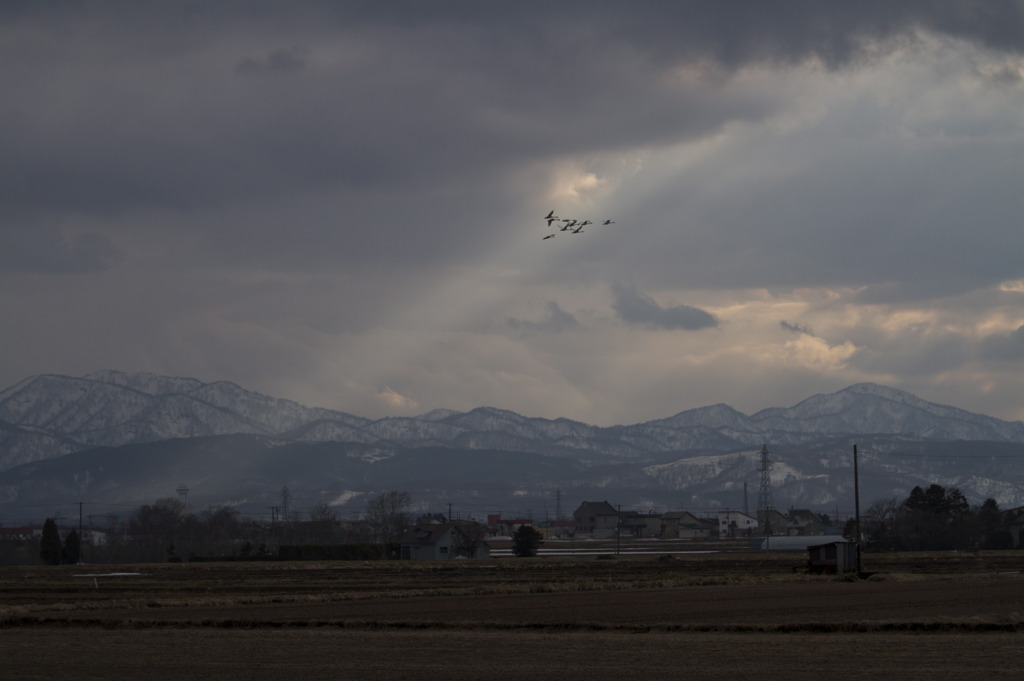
(112, 439)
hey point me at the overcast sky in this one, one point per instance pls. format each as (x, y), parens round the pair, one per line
(342, 203)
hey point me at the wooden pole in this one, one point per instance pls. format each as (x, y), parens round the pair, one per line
(856, 506)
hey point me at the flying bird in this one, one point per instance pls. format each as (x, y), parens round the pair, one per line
(568, 224)
(551, 216)
(549, 236)
(608, 222)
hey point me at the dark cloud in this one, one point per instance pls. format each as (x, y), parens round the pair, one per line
(555, 319)
(279, 60)
(732, 32)
(634, 307)
(48, 250)
(917, 353)
(795, 328)
(1004, 346)
(330, 180)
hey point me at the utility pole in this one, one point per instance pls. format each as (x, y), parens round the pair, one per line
(618, 529)
(856, 507)
(81, 540)
(765, 504)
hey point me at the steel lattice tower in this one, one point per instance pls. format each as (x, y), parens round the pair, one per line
(765, 503)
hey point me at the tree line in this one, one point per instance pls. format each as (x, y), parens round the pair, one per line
(166, 531)
(934, 519)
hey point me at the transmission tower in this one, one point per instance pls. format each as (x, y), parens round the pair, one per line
(765, 503)
(183, 491)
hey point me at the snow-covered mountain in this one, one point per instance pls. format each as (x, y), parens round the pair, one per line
(51, 427)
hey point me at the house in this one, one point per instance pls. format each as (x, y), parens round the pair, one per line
(557, 529)
(733, 524)
(772, 522)
(444, 542)
(803, 522)
(685, 525)
(596, 519)
(638, 524)
(504, 527)
(20, 534)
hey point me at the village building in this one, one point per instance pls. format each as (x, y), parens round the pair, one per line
(734, 524)
(685, 525)
(444, 542)
(504, 527)
(802, 522)
(557, 529)
(596, 519)
(772, 522)
(637, 524)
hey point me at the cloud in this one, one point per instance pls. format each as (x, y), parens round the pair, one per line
(634, 307)
(349, 194)
(816, 353)
(277, 61)
(1004, 346)
(396, 400)
(795, 328)
(555, 319)
(54, 251)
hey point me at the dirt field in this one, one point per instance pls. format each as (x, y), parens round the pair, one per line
(714, 617)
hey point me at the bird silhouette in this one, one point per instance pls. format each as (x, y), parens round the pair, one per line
(568, 224)
(549, 236)
(551, 216)
(608, 222)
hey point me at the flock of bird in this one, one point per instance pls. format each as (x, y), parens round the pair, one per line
(569, 225)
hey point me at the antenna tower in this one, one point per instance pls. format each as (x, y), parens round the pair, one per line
(183, 491)
(765, 503)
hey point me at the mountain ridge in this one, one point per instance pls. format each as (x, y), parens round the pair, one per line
(76, 421)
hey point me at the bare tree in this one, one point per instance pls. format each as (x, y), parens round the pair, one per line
(323, 513)
(468, 539)
(286, 501)
(387, 515)
(323, 523)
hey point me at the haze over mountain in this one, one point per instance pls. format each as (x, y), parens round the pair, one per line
(120, 438)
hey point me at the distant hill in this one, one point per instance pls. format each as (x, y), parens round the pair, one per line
(119, 438)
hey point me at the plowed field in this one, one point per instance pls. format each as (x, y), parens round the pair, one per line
(716, 617)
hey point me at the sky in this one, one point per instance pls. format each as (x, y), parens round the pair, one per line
(342, 203)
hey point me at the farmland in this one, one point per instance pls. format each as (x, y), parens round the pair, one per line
(710, 615)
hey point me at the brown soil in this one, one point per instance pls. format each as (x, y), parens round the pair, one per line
(512, 619)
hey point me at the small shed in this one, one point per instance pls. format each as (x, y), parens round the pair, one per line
(834, 558)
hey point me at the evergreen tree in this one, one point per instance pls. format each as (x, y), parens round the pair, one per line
(71, 554)
(526, 540)
(992, 526)
(50, 546)
(936, 519)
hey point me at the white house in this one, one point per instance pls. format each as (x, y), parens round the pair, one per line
(732, 524)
